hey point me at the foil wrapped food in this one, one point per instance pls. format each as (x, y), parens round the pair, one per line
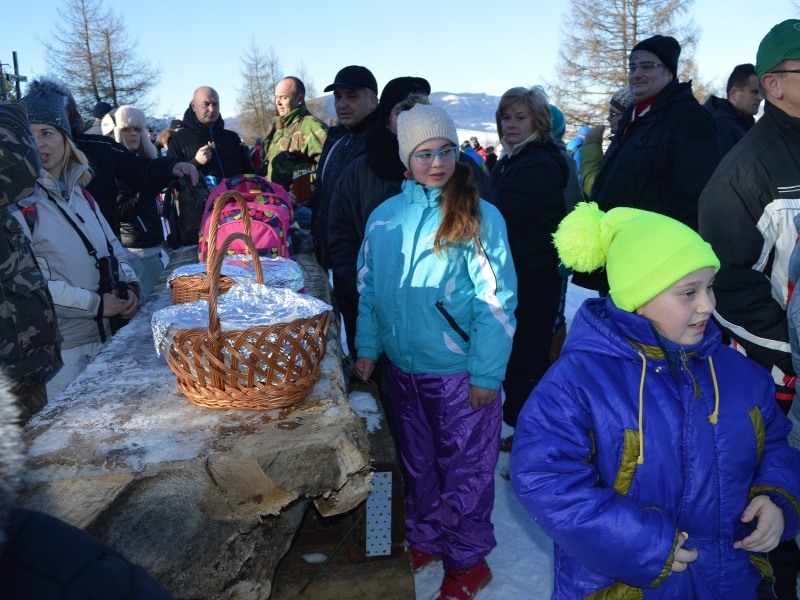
(278, 272)
(245, 305)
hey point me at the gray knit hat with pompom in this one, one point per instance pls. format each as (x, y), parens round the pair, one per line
(45, 101)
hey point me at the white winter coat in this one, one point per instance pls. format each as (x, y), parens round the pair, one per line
(73, 277)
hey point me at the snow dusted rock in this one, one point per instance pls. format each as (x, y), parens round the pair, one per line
(206, 500)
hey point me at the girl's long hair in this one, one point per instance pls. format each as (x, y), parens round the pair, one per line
(73, 155)
(461, 218)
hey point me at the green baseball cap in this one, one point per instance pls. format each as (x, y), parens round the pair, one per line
(781, 43)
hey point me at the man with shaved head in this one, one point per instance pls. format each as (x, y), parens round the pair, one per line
(204, 141)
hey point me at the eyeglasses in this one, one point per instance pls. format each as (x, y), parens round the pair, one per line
(425, 159)
(645, 67)
(784, 71)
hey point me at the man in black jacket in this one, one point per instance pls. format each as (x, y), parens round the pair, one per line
(746, 214)
(204, 141)
(111, 161)
(667, 146)
(734, 116)
(355, 101)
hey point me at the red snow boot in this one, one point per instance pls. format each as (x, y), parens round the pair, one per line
(463, 584)
(419, 558)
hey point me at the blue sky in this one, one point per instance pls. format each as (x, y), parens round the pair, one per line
(463, 46)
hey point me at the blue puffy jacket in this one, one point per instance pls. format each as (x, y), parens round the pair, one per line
(615, 521)
(435, 313)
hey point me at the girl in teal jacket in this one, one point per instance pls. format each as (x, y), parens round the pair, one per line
(437, 288)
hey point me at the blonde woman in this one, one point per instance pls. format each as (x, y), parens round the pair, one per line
(73, 242)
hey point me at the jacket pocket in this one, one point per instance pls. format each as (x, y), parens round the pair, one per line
(451, 321)
(617, 591)
(627, 464)
(758, 429)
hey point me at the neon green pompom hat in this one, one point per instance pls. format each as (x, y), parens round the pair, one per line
(644, 253)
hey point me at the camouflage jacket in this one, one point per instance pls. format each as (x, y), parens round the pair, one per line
(29, 337)
(294, 146)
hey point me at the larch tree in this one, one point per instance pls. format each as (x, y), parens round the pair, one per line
(90, 51)
(261, 72)
(596, 41)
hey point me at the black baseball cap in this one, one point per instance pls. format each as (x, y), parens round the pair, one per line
(354, 78)
(175, 124)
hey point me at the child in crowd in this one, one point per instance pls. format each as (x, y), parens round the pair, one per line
(438, 292)
(655, 457)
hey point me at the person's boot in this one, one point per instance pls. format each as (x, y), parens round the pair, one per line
(463, 584)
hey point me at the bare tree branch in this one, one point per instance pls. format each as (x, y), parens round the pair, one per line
(90, 51)
(596, 41)
(260, 74)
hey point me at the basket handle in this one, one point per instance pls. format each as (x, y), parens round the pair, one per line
(219, 204)
(213, 279)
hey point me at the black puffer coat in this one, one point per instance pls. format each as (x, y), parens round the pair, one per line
(662, 160)
(47, 559)
(529, 190)
(368, 181)
(731, 124)
(110, 161)
(141, 218)
(231, 157)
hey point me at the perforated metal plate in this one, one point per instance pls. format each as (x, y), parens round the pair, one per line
(379, 515)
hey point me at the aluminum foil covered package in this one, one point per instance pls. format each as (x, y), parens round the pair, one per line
(245, 305)
(278, 272)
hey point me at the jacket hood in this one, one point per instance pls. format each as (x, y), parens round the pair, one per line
(602, 328)
(129, 116)
(190, 121)
(721, 109)
(11, 453)
(383, 153)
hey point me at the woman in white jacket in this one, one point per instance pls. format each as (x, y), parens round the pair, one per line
(72, 241)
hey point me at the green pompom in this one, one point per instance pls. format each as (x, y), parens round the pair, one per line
(578, 238)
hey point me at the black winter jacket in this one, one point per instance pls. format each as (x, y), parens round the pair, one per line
(529, 190)
(359, 191)
(746, 214)
(662, 160)
(230, 156)
(141, 218)
(731, 124)
(341, 148)
(110, 161)
(47, 559)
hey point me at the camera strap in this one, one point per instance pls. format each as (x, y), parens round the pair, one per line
(89, 247)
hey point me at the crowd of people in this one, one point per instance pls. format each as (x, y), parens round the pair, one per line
(450, 265)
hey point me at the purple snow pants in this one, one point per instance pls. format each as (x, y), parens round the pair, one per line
(450, 452)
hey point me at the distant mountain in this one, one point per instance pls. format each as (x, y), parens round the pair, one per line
(473, 112)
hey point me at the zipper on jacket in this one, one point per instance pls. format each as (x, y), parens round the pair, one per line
(452, 321)
(685, 360)
(142, 224)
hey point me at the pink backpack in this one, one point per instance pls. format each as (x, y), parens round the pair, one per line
(270, 212)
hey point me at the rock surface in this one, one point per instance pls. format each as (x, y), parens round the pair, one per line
(206, 500)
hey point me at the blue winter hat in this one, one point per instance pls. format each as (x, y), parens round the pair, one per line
(45, 101)
(559, 122)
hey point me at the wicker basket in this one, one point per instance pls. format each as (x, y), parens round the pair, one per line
(189, 289)
(261, 367)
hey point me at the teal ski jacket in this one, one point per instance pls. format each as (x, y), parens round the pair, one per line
(443, 312)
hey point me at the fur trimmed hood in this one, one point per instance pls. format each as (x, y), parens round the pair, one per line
(128, 116)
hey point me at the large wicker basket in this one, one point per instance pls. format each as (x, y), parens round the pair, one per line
(189, 289)
(261, 367)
